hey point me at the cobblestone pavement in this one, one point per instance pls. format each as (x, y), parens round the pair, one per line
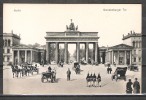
(76, 86)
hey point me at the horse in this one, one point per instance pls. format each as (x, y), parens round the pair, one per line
(26, 70)
(16, 70)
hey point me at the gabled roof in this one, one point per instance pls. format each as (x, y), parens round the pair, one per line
(121, 46)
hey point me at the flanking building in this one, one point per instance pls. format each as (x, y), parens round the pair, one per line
(16, 53)
(9, 40)
(129, 52)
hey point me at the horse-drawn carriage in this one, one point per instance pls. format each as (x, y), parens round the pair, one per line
(119, 73)
(49, 75)
(76, 67)
(133, 67)
(83, 62)
(23, 70)
(29, 68)
(107, 64)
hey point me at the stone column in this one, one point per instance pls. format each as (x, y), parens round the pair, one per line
(93, 55)
(87, 51)
(96, 52)
(109, 57)
(56, 52)
(78, 51)
(66, 52)
(112, 57)
(125, 57)
(25, 55)
(18, 56)
(118, 57)
(130, 57)
(13, 57)
(48, 52)
(31, 56)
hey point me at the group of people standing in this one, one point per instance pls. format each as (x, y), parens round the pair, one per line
(136, 87)
(93, 80)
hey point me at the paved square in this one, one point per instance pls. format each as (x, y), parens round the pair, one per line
(77, 85)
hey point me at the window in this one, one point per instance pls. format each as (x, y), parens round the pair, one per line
(9, 43)
(133, 43)
(134, 59)
(8, 50)
(139, 59)
(5, 42)
(140, 44)
(8, 59)
(134, 52)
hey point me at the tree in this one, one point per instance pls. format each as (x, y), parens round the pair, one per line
(62, 55)
(81, 54)
(52, 52)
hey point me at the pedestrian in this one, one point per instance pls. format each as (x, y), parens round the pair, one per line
(99, 80)
(94, 80)
(49, 69)
(114, 64)
(136, 87)
(129, 87)
(110, 70)
(68, 74)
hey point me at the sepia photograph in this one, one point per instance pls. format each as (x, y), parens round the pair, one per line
(72, 49)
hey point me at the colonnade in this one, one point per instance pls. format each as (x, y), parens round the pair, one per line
(28, 56)
(120, 56)
(95, 48)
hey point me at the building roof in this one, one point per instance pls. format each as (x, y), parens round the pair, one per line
(23, 46)
(103, 48)
(132, 34)
(11, 35)
(121, 46)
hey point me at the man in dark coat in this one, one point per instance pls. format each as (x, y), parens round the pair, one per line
(110, 70)
(129, 87)
(49, 69)
(68, 74)
(136, 86)
(99, 79)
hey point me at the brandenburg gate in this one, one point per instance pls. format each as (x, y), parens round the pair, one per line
(72, 35)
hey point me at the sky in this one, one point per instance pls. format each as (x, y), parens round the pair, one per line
(32, 21)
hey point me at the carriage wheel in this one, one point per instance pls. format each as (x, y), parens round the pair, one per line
(42, 79)
(125, 78)
(31, 72)
(137, 69)
(37, 71)
(116, 78)
(51, 79)
(112, 78)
